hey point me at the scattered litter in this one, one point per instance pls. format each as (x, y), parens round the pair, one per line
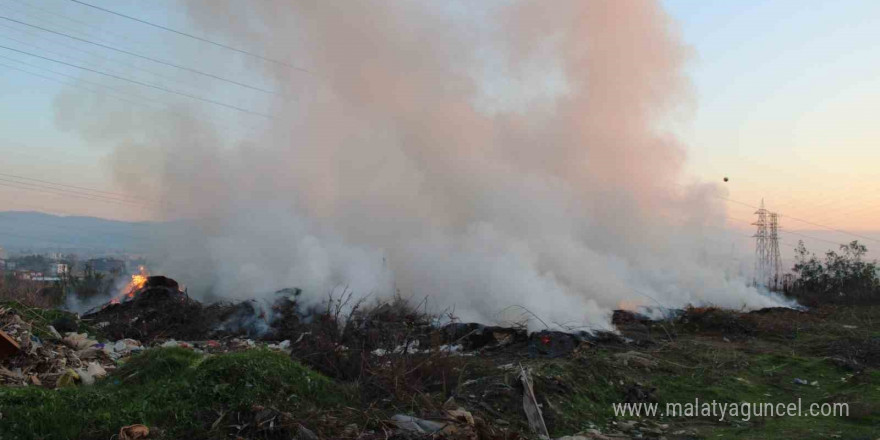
(54, 332)
(303, 433)
(67, 379)
(56, 361)
(96, 370)
(799, 381)
(133, 432)
(635, 359)
(415, 424)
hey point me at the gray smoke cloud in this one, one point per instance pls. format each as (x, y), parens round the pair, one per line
(485, 155)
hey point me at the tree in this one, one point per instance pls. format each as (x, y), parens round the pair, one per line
(842, 277)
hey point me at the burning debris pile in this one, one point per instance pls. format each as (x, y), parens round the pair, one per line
(154, 307)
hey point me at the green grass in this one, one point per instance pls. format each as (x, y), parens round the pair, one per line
(173, 389)
(581, 393)
(708, 368)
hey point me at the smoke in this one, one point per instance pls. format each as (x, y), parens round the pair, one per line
(486, 156)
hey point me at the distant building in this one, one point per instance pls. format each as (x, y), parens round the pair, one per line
(60, 268)
(2, 253)
(107, 265)
(27, 275)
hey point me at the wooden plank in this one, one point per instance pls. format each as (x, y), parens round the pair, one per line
(530, 406)
(8, 346)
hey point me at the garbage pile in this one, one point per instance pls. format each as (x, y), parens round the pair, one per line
(159, 310)
(54, 360)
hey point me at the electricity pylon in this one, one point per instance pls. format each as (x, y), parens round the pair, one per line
(768, 261)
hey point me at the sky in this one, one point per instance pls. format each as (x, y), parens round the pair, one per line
(783, 98)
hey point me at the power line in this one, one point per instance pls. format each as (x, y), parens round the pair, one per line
(782, 231)
(61, 187)
(164, 104)
(830, 228)
(210, 75)
(125, 196)
(193, 37)
(61, 192)
(167, 106)
(74, 20)
(88, 53)
(140, 83)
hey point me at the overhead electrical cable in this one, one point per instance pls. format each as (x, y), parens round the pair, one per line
(155, 60)
(141, 83)
(51, 12)
(830, 228)
(195, 37)
(131, 65)
(126, 196)
(216, 124)
(37, 188)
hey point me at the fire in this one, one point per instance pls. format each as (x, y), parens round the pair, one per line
(138, 281)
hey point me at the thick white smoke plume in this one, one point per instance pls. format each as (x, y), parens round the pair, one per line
(506, 153)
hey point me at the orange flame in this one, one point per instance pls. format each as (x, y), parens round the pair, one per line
(138, 281)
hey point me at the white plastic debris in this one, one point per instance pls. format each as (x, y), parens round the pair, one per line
(85, 376)
(96, 370)
(78, 341)
(415, 424)
(54, 332)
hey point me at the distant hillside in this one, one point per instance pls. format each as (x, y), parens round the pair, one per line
(39, 232)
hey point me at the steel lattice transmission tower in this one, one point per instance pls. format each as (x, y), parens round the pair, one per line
(761, 235)
(768, 261)
(773, 257)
